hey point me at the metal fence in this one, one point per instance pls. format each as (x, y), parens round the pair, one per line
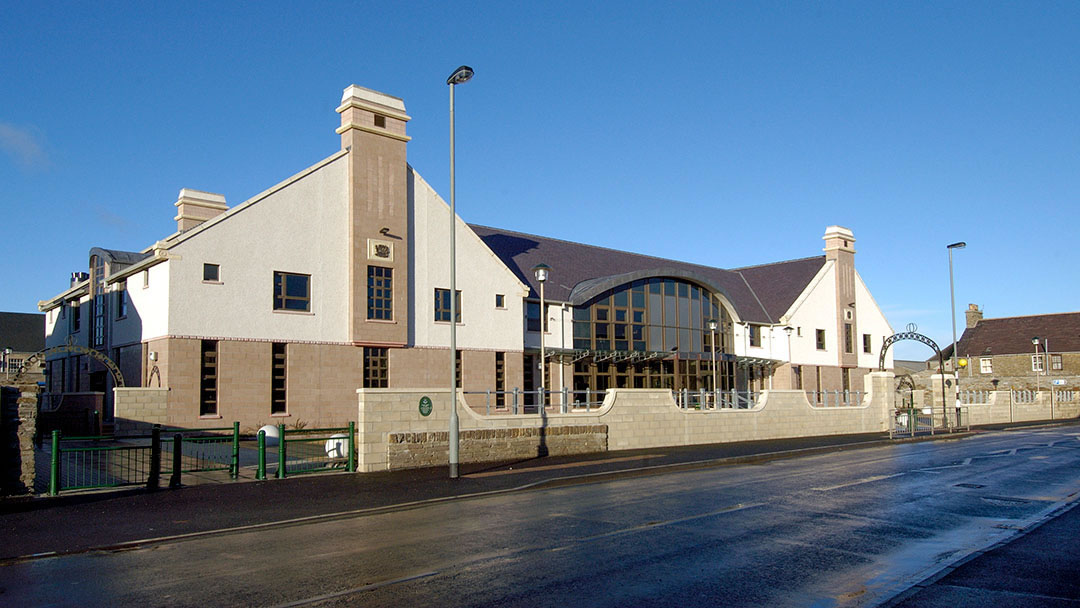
(713, 400)
(911, 422)
(834, 398)
(515, 402)
(301, 451)
(973, 396)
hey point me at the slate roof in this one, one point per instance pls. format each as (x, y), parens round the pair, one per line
(760, 294)
(118, 260)
(22, 332)
(1012, 335)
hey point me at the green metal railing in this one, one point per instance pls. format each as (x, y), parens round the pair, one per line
(106, 461)
(301, 451)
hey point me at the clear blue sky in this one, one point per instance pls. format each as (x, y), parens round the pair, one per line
(722, 133)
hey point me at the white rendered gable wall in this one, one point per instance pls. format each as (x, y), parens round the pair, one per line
(480, 274)
(300, 227)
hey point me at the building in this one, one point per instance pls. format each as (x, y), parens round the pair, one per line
(1022, 352)
(337, 278)
(21, 335)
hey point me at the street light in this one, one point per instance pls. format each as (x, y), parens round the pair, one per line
(540, 271)
(7, 355)
(952, 308)
(791, 360)
(460, 75)
(712, 341)
(1035, 342)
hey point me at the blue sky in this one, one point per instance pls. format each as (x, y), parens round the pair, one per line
(728, 134)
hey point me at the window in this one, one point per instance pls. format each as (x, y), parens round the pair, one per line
(796, 374)
(820, 338)
(292, 291)
(76, 321)
(849, 339)
(532, 317)
(866, 344)
(500, 301)
(375, 367)
(755, 334)
(277, 379)
(211, 273)
(1055, 362)
(500, 379)
(98, 301)
(146, 278)
(209, 372)
(1036, 363)
(380, 293)
(442, 305)
(121, 300)
(13, 365)
(986, 365)
(457, 368)
(380, 121)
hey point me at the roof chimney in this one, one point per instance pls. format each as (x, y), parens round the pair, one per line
(195, 207)
(837, 239)
(974, 315)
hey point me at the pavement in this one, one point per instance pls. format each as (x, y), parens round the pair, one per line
(1018, 572)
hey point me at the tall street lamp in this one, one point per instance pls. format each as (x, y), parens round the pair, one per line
(952, 308)
(540, 271)
(1035, 343)
(712, 341)
(460, 75)
(791, 360)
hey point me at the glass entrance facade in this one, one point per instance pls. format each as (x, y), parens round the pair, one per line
(652, 333)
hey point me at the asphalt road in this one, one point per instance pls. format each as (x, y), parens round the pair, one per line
(848, 528)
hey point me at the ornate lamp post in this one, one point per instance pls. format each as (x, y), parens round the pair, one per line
(540, 271)
(712, 342)
(460, 75)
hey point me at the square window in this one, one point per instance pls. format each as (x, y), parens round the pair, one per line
(380, 121)
(986, 365)
(292, 291)
(1055, 362)
(442, 305)
(211, 273)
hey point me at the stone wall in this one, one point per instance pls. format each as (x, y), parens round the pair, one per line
(139, 409)
(390, 424)
(18, 427)
(415, 450)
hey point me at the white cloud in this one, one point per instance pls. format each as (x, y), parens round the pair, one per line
(25, 147)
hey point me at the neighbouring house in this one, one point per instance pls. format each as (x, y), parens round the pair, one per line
(337, 278)
(21, 336)
(1020, 352)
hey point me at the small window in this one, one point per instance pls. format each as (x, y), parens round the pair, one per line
(208, 405)
(1055, 362)
(146, 278)
(532, 316)
(121, 300)
(211, 273)
(292, 291)
(986, 365)
(76, 320)
(849, 339)
(1036, 363)
(866, 344)
(380, 121)
(376, 366)
(820, 339)
(442, 305)
(755, 335)
(500, 301)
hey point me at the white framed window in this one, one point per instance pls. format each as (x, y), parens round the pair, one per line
(1036, 363)
(986, 365)
(1055, 362)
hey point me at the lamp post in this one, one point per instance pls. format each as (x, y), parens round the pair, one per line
(1035, 343)
(712, 342)
(460, 76)
(791, 360)
(540, 271)
(7, 355)
(952, 316)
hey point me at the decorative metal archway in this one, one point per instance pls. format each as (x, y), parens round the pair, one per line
(71, 347)
(912, 333)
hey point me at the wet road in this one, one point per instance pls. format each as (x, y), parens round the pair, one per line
(845, 528)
